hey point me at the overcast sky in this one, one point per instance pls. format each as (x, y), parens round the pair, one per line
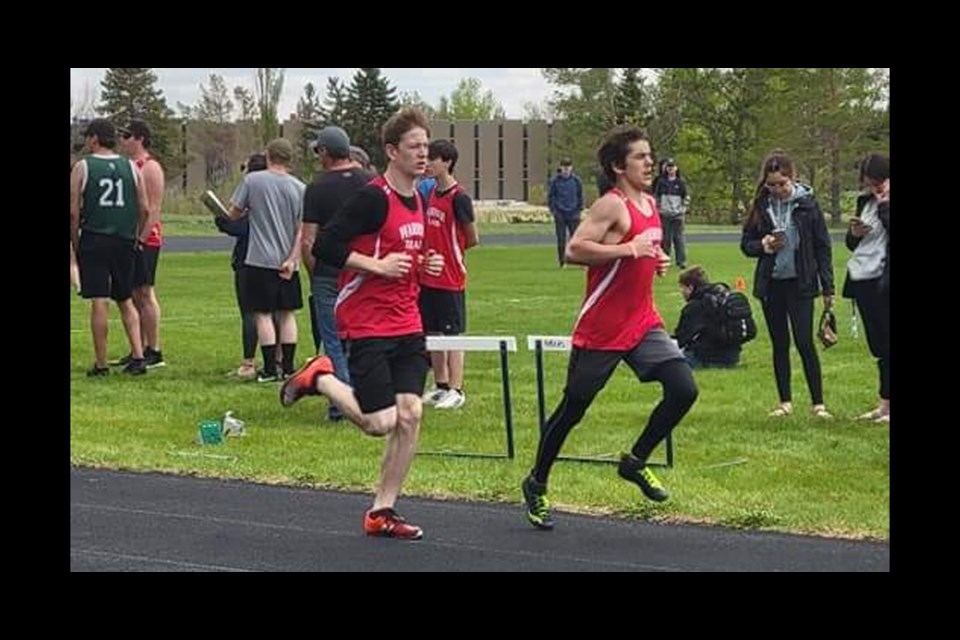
(511, 87)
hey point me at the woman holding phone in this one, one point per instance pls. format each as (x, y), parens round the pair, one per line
(787, 233)
(868, 270)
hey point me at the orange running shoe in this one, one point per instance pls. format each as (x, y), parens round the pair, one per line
(304, 382)
(387, 523)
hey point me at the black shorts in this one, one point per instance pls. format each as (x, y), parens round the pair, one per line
(590, 369)
(380, 368)
(264, 291)
(145, 266)
(106, 266)
(443, 311)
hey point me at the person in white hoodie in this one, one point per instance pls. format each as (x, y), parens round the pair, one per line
(868, 270)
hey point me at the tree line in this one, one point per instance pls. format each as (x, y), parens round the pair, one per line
(718, 123)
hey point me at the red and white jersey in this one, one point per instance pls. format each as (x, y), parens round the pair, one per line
(155, 239)
(618, 309)
(371, 306)
(444, 235)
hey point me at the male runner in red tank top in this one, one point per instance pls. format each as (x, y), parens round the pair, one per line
(620, 242)
(136, 143)
(449, 230)
(376, 240)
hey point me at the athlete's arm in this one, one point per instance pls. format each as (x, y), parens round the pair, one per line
(463, 213)
(363, 214)
(587, 244)
(153, 178)
(288, 265)
(308, 231)
(76, 194)
(143, 202)
(238, 201)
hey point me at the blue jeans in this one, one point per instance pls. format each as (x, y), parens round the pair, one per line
(323, 322)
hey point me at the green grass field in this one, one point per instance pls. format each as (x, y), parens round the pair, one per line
(734, 466)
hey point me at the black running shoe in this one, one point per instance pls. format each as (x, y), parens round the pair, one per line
(121, 362)
(639, 473)
(153, 358)
(538, 507)
(136, 367)
(97, 371)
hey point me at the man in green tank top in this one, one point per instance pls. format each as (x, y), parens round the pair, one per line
(108, 209)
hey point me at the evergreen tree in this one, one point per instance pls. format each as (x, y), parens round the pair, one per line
(131, 93)
(334, 110)
(370, 103)
(309, 114)
(632, 99)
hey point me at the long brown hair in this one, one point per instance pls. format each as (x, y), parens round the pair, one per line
(776, 161)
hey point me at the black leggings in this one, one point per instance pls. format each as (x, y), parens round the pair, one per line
(783, 301)
(248, 325)
(679, 394)
(875, 311)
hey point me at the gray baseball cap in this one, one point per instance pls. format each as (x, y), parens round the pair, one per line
(334, 141)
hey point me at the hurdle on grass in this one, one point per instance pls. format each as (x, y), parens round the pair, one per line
(503, 344)
(539, 344)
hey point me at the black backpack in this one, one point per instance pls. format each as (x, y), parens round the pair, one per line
(734, 316)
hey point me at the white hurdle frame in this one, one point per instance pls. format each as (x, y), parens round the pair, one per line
(503, 344)
(539, 344)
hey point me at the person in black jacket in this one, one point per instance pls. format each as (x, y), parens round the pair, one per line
(868, 270)
(787, 233)
(698, 333)
(240, 229)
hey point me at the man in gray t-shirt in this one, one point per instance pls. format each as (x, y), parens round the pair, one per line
(270, 281)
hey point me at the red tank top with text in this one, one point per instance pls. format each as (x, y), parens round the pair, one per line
(371, 306)
(618, 310)
(444, 235)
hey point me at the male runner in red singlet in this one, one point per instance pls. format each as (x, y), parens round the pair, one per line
(136, 143)
(620, 242)
(450, 230)
(376, 239)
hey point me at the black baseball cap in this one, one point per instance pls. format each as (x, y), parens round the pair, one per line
(102, 128)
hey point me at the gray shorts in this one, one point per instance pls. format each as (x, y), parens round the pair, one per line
(590, 369)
